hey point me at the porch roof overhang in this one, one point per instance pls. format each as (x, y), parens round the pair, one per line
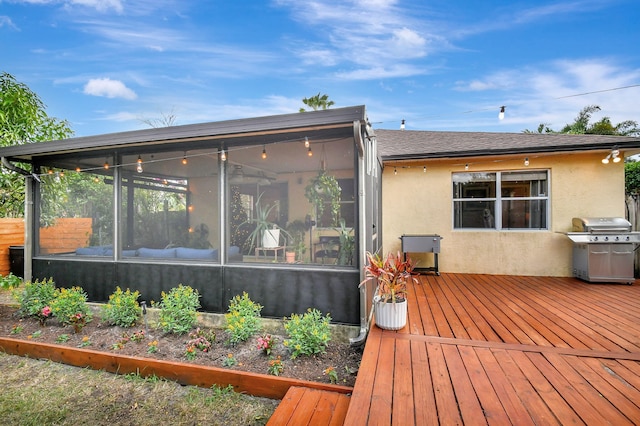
(324, 124)
(401, 145)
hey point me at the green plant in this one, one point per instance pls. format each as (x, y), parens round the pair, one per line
(201, 339)
(35, 335)
(122, 309)
(392, 275)
(152, 347)
(86, 341)
(62, 338)
(10, 281)
(190, 352)
(243, 319)
(296, 231)
(261, 223)
(308, 333)
(16, 329)
(347, 244)
(229, 361)
(332, 374)
(178, 309)
(71, 308)
(275, 366)
(265, 343)
(324, 188)
(34, 297)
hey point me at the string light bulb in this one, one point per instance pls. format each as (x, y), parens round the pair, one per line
(395, 170)
(309, 152)
(402, 125)
(264, 152)
(466, 166)
(501, 114)
(139, 165)
(184, 159)
(223, 155)
(424, 169)
(106, 165)
(306, 142)
(616, 155)
(526, 161)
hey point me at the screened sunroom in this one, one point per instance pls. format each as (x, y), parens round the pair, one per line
(282, 207)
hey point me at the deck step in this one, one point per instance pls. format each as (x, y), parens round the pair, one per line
(306, 406)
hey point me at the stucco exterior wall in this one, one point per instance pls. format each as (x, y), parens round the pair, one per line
(418, 202)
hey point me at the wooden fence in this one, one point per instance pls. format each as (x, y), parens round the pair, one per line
(65, 236)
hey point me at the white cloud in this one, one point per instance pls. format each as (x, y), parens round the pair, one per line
(109, 88)
(99, 5)
(5, 21)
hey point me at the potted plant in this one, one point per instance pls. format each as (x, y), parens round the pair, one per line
(296, 231)
(265, 233)
(345, 252)
(324, 188)
(390, 298)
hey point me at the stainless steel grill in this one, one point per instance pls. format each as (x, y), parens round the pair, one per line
(603, 249)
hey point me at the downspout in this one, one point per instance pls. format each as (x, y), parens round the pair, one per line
(362, 234)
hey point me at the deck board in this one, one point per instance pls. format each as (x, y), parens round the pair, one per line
(484, 349)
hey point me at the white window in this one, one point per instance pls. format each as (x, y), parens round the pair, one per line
(501, 200)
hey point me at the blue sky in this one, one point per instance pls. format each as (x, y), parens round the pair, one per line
(108, 65)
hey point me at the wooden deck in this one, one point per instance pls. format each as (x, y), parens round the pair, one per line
(484, 349)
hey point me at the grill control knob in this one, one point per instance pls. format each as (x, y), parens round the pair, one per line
(606, 238)
(617, 238)
(595, 238)
(626, 238)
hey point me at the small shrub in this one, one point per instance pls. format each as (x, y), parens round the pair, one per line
(35, 297)
(243, 319)
(275, 366)
(71, 308)
(201, 339)
(178, 309)
(122, 309)
(10, 281)
(152, 347)
(266, 343)
(308, 334)
(229, 361)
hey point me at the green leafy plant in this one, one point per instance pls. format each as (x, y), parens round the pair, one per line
(275, 366)
(10, 281)
(332, 374)
(201, 339)
(35, 335)
(190, 353)
(62, 338)
(152, 347)
(229, 361)
(34, 297)
(265, 343)
(178, 309)
(392, 275)
(70, 307)
(322, 189)
(122, 309)
(243, 319)
(86, 341)
(297, 230)
(261, 223)
(308, 333)
(16, 329)
(347, 244)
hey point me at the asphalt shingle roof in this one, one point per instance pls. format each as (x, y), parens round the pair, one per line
(415, 144)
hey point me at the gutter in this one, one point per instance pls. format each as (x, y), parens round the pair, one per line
(7, 165)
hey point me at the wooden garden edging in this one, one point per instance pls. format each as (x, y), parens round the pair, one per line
(261, 385)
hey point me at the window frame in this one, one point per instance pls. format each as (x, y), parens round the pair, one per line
(499, 200)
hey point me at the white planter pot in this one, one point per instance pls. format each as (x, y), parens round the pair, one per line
(390, 316)
(271, 238)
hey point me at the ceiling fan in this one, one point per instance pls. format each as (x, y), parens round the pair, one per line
(238, 175)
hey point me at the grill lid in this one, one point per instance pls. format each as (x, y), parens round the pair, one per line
(600, 224)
